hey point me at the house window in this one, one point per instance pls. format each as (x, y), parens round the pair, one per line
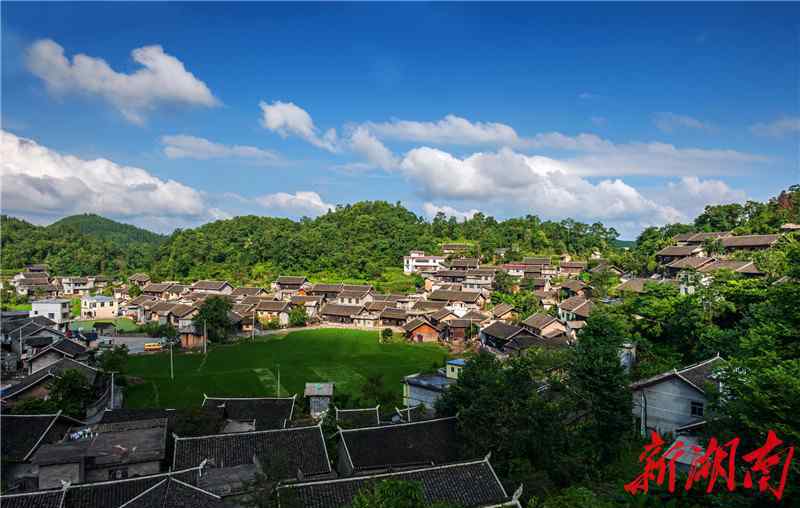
(697, 409)
(50, 315)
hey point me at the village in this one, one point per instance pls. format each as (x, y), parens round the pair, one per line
(311, 451)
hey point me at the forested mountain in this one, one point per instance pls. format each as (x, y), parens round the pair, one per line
(106, 229)
(67, 251)
(358, 241)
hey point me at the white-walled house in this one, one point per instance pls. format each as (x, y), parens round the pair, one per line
(98, 307)
(668, 402)
(54, 309)
(417, 262)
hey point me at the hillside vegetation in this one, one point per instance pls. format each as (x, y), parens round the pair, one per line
(354, 242)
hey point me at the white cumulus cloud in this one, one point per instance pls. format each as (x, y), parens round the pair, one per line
(777, 128)
(516, 183)
(691, 194)
(191, 147)
(43, 182)
(162, 79)
(372, 149)
(451, 130)
(298, 204)
(286, 118)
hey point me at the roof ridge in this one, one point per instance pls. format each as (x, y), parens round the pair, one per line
(395, 425)
(247, 432)
(364, 477)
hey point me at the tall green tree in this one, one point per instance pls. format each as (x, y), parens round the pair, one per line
(71, 392)
(213, 318)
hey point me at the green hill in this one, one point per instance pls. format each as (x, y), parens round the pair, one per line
(107, 229)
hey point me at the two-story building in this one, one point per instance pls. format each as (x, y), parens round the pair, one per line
(418, 262)
(55, 309)
(98, 307)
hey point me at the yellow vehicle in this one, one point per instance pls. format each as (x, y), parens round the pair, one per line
(152, 346)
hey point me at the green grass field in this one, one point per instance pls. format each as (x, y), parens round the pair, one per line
(17, 306)
(346, 357)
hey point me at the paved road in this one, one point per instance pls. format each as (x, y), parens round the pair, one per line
(135, 343)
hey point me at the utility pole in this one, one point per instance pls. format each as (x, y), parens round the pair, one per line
(278, 388)
(171, 366)
(205, 338)
(253, 335)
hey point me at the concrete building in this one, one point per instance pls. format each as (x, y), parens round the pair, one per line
(54, 309)
(425, 389)
(418, 262)
(98, 307)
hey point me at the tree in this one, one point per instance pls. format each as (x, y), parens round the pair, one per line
(71, 392)
(298, 316)
(134, 291)
(503, 282)
(386, 334)
(598, 385)
(115, 359)
(213, 316)
(390, 494)
(34, 407)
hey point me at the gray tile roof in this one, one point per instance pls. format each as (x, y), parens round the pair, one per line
(403, 445)
(357, 418)
(266, 412)
(469, 484)
(282, 452)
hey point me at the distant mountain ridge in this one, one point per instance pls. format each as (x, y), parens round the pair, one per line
(106, 229)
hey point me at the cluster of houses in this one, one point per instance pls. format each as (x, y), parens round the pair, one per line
(35, 281)
(250, 449)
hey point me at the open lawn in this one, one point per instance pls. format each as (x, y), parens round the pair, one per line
(346, 357)
(17, 306)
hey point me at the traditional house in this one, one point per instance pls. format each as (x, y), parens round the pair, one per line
(98, 307)
(572, 268)
(253, 413)
(103, 451)
(426, 307)
(327, 291)
(176, 291)
(287, 286)
(269, 310)
(464, 264)
(76, 286)
(36, 385)
(472, 484)
(460, 331)
(393, 317)
(235, 459)
(454, 248)
(465, 300)
(605, 267)
(669, 254)
(212, 287)
(746, 268)
(370, 314)
(457, 276)
(515, 269)
(392, 447)
(536, 261)
(575, 287)
(669, 402)
(422, 329)
(544, 325)
(157, 289)
(55, 351)
(335, 313)
(21, 436)
(535, 282)
(749, 242)
(504, 312)
(312, 304)
(139, 279)
(576, 308)
(354, 297)
(239, 294)
(176, 488)
(686, 264)
(56, 309)
(476, 317)
(523, 342)
(497, 334)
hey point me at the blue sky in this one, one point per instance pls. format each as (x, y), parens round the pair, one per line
(172, 115)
